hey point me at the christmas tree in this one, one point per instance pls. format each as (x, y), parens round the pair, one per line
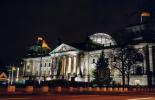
(102, 72)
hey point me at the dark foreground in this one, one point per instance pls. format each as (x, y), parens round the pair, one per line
(75, 97)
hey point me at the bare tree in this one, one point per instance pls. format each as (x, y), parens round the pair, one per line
(123, 58)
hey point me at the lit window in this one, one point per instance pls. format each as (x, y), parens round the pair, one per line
(102, 38)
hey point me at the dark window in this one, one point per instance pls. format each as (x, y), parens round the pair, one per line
(69, 75)
(114, 59)
(45, 64)
(48, 72)
(93, 60)
(49, 64)
(139, 70)
(28, 67)
(106, 59)
(139, 57)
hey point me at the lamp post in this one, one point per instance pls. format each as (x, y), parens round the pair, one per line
(17, 76)
(9, 77)
(12, 69)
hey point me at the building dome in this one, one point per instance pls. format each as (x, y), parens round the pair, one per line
(102, 39)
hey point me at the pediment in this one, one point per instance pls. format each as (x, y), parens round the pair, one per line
(64, 48)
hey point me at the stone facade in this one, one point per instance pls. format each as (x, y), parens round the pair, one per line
(75, 64)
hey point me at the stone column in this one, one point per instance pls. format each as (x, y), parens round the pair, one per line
(54, 66)
(82, 65)
(150, 58)
(143, 64)
(51, 67)
(77, 65)
(65, 62)
(24, 68)
(74, 64)
(153, 53)
(69, 65)
(33, 67)
(148, 62)
(87, 68)
(65, 66)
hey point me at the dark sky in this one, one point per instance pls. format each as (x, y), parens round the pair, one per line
(70, 20)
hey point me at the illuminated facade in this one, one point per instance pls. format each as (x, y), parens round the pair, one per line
(76, 61)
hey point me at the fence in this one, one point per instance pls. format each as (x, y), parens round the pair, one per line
(79, 90)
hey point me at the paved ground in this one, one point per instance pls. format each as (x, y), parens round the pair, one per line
(75, 97)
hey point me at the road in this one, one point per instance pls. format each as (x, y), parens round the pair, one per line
(76, 97)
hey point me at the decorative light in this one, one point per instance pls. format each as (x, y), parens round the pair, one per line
(44, 45)
(145, 13)
(40, 38)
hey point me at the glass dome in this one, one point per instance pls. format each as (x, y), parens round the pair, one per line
(103, 39)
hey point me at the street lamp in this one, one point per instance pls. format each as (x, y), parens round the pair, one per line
(9, 77)
(17, 76)
(12, 69)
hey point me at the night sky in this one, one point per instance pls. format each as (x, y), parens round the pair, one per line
(22, 20)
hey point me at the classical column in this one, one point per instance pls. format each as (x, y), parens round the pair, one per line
(33, 65)
(65, 66)
(51, 67)
(24, 68)
(77, 65)
(74, 64)
(153, 51)
(85, 68)
(150, 58)
(148, 66)
(69, 64)
(67, 61)
(144, 60)
(54, 67)
(43, 69)
(88, 68)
